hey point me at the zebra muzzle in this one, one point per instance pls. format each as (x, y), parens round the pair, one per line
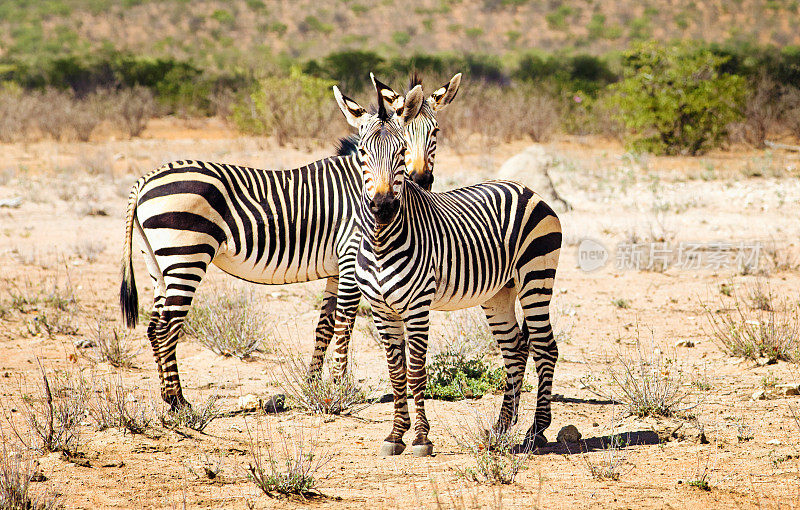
(384, 206)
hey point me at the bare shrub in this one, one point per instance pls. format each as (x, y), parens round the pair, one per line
(284, 465)
(610, 463)
(770, 330)
(323, 394)
(497, 457)
(115, 405)
(790, 109)
(501, 114)
(646, 382)
(229, 326)
(761, 112)
(16, 476)
(611, 460)
(53, 112)
(135, 106)
(87, 113)
(53, 411)
(52, 322)
(780, 258)
(197, 417)
(112, 345)
(15, 114)
(88, 249)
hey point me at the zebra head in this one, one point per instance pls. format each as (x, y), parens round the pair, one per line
(421, 131)
(382, 146)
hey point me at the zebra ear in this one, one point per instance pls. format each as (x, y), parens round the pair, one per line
(413, 104)
(445, 94)
(391, 99)
(353, 112)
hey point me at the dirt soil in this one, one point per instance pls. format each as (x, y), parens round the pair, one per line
(68, 232)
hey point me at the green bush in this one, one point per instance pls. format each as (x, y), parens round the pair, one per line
(675, 100)
(453, 376)
(286, 107)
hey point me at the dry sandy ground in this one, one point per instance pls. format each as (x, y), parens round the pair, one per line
(69, 230)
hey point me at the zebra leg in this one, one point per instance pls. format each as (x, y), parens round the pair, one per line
(393, 338)
(503, 322)
(346, 308)
(537, 330)
(417, 326)
(152, 328)
(324, 331)
(181, 279)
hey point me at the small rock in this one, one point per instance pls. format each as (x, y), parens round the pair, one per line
(11, 202)
(759, 395)
(685, 343)
(774, 442)
(595, 424)
(84, 343)
(568, 434)
(274, 404)
(766, 361)
(788, 389)
(249, 402)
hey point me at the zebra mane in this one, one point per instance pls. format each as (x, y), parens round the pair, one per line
(347, 145)
(415, 80)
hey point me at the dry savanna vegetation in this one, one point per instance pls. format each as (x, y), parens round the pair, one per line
(678, 378)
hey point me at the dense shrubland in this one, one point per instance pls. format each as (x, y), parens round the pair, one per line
(661, 98)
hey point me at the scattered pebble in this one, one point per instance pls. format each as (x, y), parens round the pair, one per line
(568, 434)
(249, 402)
(84, 343)
(774, 442)
(685, 343)
(759, 395)
(788, 389)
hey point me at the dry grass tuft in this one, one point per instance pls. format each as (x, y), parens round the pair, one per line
(646, 382)
(498, 459)
(284, 465)
(768, 329)
(229, 326)
(52, 411)
(113, 345)
(197, 417)
(16, 476)
(116, 406)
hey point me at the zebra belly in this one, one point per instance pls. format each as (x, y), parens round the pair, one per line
(444, 301)
(277, 272)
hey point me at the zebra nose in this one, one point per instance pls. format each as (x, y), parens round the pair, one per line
(384, 207)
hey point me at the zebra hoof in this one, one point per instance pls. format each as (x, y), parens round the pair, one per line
(422, 450)
(389, 448)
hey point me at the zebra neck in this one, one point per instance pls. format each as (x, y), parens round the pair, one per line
(383, 239)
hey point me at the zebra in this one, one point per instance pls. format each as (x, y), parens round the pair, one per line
(486, 244)
(262, 226)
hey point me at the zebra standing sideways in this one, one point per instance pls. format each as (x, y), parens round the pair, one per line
(485, 245)
(263, 226)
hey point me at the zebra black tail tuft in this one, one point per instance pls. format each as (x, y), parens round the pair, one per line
(129, 297)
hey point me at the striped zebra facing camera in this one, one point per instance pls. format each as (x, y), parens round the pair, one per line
(263, 226)
(487, 244)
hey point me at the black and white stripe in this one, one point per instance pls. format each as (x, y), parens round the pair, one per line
(263, 226)
(486, 244)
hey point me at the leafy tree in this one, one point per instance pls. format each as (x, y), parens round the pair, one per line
(674, 99)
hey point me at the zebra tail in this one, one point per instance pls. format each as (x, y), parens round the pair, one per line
(128, 296)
